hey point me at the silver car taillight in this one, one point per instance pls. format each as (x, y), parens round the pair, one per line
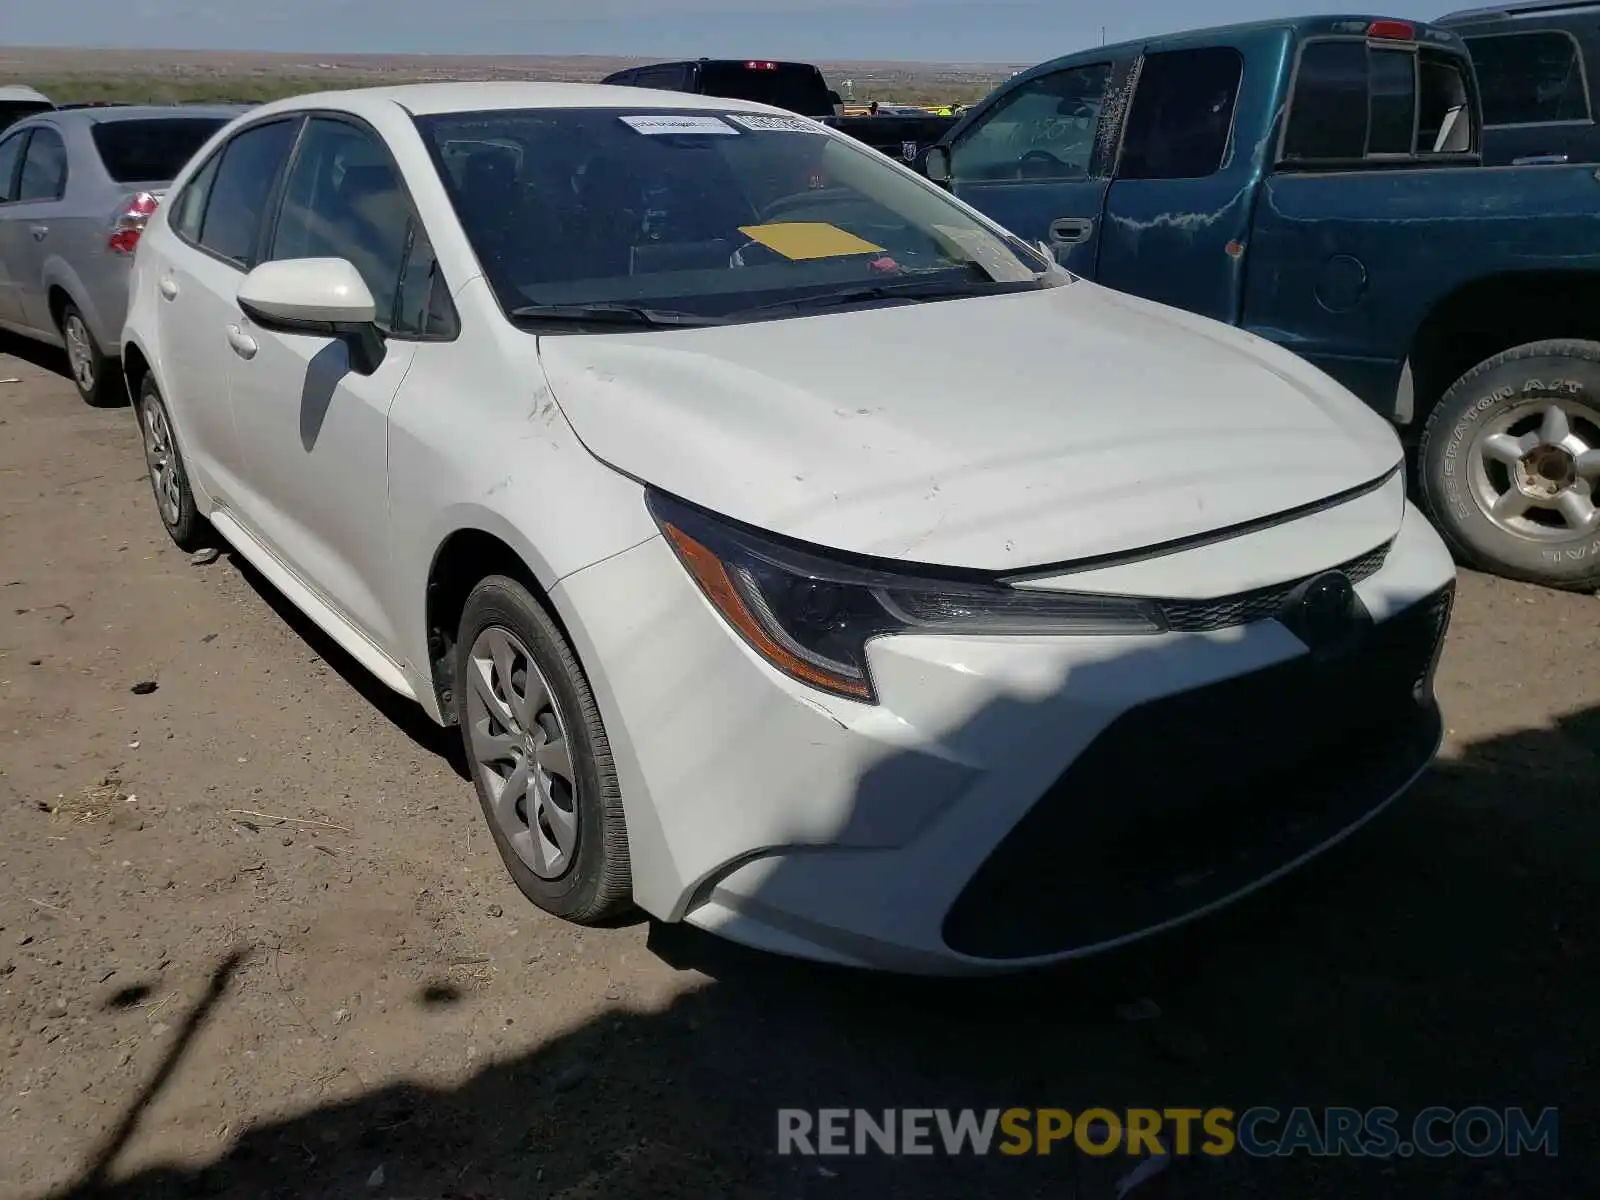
(130, 221)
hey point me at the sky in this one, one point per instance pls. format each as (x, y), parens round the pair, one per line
(1004, 31)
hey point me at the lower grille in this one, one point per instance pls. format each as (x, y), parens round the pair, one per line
(1224, 612)
(1185, 800)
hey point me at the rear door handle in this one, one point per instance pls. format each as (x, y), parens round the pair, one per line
(1070, 231)
(1538, 160)
(243, 344)
(40, 232)
(169, 287)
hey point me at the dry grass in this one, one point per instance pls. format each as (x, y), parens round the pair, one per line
(97, 802)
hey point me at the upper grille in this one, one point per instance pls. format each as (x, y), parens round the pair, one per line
(1242, 608)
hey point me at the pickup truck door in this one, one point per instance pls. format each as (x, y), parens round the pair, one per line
(1181, 201)
(1036, 159)
(1535, 93)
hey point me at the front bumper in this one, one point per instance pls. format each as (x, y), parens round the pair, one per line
(1010, 801)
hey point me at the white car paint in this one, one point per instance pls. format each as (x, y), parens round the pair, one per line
(1026, 432)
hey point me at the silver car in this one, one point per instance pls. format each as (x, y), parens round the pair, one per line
(76, 188)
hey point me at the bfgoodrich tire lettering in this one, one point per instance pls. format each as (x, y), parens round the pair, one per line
(1509, 464)
(539, 756)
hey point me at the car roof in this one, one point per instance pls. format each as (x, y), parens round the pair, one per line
(1505, 12)
(115, 114)
(13, 93)
(434, 99)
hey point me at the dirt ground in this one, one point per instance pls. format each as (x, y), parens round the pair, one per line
(254, 939)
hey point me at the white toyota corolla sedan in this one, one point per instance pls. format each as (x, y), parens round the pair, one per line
(801, 555)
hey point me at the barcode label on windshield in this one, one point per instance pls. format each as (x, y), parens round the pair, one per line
(761, 123)
(664, 123)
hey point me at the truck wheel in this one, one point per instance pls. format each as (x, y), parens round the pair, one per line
(1510, 464)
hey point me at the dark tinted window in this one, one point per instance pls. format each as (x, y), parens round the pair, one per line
(151, 151)
(12, 111)
(1328, 115)
(1530, 78)
(190, 206)
(1182, 114)
(44, 169)
(343, 199)
(797, 88)
(424, 307)
(1444, 119)
(245, 179)
(1394, 101)
(671, 78)
(10, 160)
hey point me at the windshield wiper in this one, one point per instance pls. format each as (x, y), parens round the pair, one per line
(609, 313)
(915, 291)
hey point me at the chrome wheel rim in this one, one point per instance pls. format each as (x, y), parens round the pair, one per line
(1534, 470)
(521, 752)
(80, 351)
(162, 457)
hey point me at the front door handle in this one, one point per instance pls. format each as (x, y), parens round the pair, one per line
(1071, 231)
(1538, 160)
(40, 232)
(168, 288)
(243, 344)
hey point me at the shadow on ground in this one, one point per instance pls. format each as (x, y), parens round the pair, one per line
(1445, 955)
(48, 358)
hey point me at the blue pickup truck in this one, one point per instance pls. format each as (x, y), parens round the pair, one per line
(1318, 182)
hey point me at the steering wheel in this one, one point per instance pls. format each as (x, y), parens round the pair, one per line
(1041, 158)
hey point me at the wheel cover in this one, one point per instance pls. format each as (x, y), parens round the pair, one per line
(521, 753)
(161, 453)
(1534, 470)
(80, 351)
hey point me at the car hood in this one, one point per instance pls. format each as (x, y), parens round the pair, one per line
(995, 432)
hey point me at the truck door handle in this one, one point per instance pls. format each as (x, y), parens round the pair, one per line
(40, 232)
(168, 287)
(1070, 231)
(1538, 160)
(243, 344)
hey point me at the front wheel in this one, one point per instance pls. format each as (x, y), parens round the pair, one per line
(539, 756)
(1509, 464)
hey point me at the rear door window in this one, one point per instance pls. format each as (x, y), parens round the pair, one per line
(44, 167)
(1532, 78)
(151, 151)
(246, 179)
(1182, 114)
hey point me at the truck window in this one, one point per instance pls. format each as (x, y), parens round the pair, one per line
(1534, 78)
(1044, 129)
(1354, 101)
(1182, 114)
(798, 88)
(672, 77)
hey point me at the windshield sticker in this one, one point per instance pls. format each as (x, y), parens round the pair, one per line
(761, 123)
(663, 123)
(800, 241)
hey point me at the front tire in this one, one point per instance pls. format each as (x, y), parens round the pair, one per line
(93, 374)
(539, 756)
(1509, 465)
(169, 478)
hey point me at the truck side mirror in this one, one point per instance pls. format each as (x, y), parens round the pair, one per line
(937, 164)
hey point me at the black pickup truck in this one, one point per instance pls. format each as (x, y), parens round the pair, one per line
(1535, 62)
(798, 87)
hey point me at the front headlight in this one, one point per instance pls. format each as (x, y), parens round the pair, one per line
(811, 613)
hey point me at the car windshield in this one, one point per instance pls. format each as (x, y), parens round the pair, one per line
(711, 214)
(151, 150)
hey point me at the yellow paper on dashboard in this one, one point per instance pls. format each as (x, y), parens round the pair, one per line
(803, 240)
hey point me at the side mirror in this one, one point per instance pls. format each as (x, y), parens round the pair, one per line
(937, 164)
(317, 297)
